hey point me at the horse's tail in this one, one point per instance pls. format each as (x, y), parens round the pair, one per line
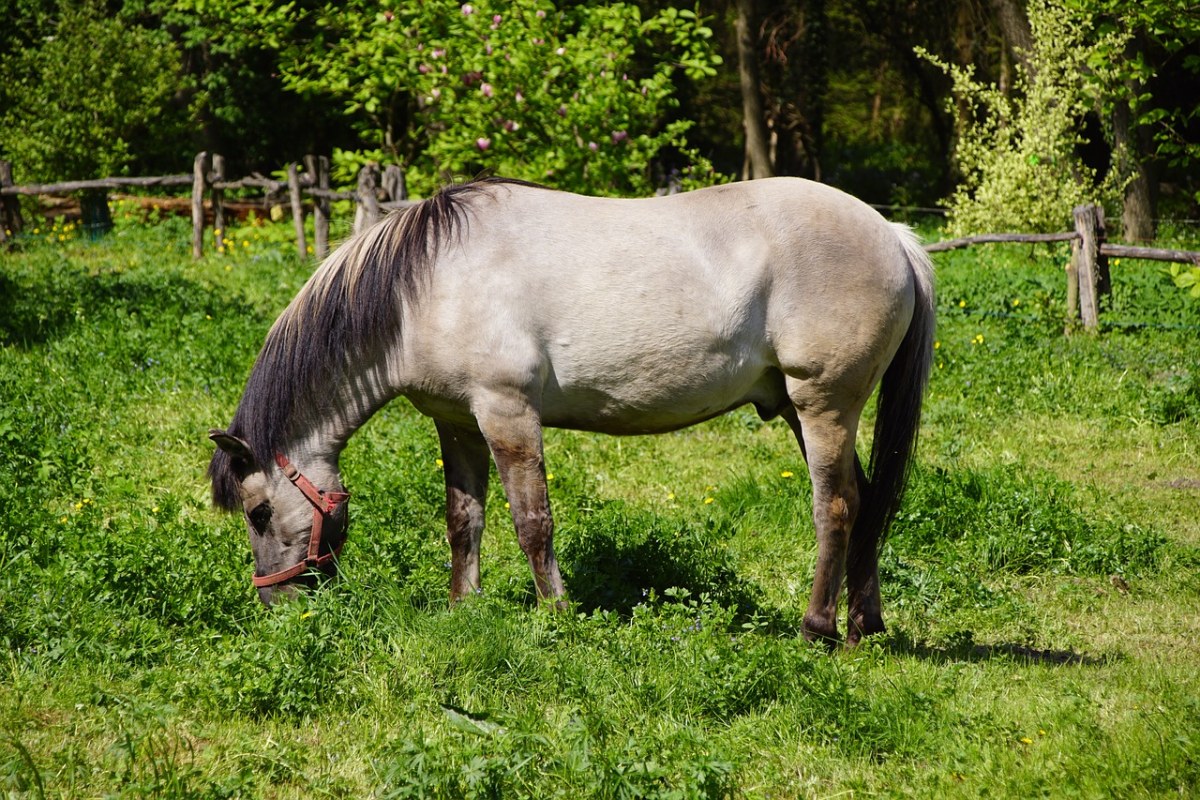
(898, 409)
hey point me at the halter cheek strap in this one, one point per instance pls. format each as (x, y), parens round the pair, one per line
(324, 504)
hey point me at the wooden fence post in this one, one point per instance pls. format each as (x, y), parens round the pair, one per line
(318, 168)
(394, 184)
(218, 201)
(297, 209)
(10, 205)
(367, 213)
(1072, 289)
(1103, 275)
(1085, 252)
(199, 173)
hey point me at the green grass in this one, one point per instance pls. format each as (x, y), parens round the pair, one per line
(1041, 584)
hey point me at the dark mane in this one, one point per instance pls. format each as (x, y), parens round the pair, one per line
(349, 305)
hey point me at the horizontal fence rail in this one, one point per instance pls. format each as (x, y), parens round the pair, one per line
(378, 191)
(1000, 238)
(67, 187)
(1088, 274)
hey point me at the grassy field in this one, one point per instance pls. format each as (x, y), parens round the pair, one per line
(1042, 585)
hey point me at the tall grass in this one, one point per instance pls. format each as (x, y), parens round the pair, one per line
(1040, 585)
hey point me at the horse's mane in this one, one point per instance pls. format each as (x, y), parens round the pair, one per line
(349, 305)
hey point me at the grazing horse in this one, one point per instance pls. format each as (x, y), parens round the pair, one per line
(499, 308)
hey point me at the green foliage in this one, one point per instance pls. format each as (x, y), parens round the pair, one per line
(482, 759)
(1018, 153)
(1169, 28)
(1185, 277)
(529, 91)
(90, 99)
(1012, 521)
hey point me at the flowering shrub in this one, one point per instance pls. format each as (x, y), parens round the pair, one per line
(577, 98)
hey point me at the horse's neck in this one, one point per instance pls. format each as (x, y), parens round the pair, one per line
(364, 390)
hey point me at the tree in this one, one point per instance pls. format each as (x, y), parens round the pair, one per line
(230, 54)
(90, 99)
(1154, 124)
(759, 163)
(1019, 154)
(529, 90)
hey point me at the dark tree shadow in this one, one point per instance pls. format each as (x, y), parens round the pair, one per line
(963, 647)
(615, 572)
(37, 312)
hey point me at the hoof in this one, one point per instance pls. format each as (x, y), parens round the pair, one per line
(864, 626)
(816, 630)
(557, 605)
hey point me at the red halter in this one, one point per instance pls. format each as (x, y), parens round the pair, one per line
(324, 504)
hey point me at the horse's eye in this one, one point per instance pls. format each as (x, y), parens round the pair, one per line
(260, 517)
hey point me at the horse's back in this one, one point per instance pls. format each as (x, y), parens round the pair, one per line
(651, 314)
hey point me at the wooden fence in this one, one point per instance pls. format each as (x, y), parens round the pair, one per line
(378, 190)
(1088, 275)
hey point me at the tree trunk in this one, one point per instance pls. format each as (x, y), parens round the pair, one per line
(1137, 211)
(1132, 148)
(1014, 27)
(758, 145)
(816, 69)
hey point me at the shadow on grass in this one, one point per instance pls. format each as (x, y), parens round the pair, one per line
(625, 559)
(963, 647)
(43, 310)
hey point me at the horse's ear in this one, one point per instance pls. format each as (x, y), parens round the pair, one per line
(237, 448)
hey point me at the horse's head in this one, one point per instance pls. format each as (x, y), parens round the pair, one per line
(296, 529)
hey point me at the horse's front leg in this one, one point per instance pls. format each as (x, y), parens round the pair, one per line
(514, 433)
(465, 461)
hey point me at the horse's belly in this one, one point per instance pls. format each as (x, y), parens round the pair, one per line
(652, 404)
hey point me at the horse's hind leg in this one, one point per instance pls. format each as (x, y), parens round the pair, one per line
(465, 461)
(827, 440)
(865, 613)
(515, 437)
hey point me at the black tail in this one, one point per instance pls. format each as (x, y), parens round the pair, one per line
(898, 411)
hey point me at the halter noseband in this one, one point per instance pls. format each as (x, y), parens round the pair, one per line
(324, 504)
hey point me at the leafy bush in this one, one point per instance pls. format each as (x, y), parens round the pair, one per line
(92, 98)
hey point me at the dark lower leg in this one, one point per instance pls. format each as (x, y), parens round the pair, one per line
(832, 515)
(522, 469)
(464, 530)
(465, 461)
(865, 607)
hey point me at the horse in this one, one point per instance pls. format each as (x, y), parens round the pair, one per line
(499, 307)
